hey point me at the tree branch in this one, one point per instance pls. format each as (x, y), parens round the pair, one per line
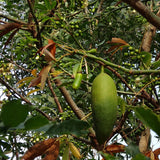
(11, 89)
(12, 19)
(78, 112)
(132, 72)
(36, 22)
(55, 97)
(144, 11)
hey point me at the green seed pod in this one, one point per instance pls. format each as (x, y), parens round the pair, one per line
(104, 106)
(77, 81)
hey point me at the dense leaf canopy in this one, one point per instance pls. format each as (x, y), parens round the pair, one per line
(51, 51)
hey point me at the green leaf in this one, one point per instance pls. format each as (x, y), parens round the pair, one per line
(155, 64)
(73, 126)
(122, 104)
(148, 117)
(65, 155)
(108, 156)
(3, 155)
(132, 150)
(147, 58)
(140, 157)
(75, 69)
(13, 113)
(36, 122)
(50, 4)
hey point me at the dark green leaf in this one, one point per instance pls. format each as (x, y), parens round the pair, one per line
(155, 64)
(3, 155)
(147, 58)
(36, 122)
(148, 117)
(13, 113)
(140, 157)
(132, 149)
(108, 156)
(73, 126)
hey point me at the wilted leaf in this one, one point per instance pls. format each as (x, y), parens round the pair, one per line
(38, 149)
(7, 27)
(49, 55)
(118, 40)
(53, 152)
(56, 73)
(44, 75)
(155, 153)
(25, 80)
(34, 72)
(144, 140)
(13, 113)
(119, 44)
(35, 122)
(73, 126)
(114, 148)
(74, 150)
(35, 82)
(10, 37)
(41, 77)
(148, 117)
(35, 90)
(112, 48)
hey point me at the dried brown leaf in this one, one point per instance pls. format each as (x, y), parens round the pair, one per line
(41, 77)
(144, 140)
(52, 152)
(44, 75)
(38, 149)
(154, 154)
(118, 40)
(35, 81)
(113, 148)
(10, 37)
(49, 55)
(6, 28)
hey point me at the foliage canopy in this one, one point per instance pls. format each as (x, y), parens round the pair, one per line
(45, 44)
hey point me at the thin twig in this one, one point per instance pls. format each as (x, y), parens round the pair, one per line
(129, 71)
(119, 126)
(100, 6)
(78, 112)
(120, 77)
(24, 99)
(55, 96)
(36, 22)
(12, 19)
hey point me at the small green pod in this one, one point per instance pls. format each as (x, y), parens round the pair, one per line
(77, 81)
(104, 106)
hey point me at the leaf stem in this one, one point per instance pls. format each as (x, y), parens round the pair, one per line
(129, 71)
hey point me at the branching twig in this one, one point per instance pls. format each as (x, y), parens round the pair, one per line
(144, 11)
(55, 97)
(36, 22)
(119, 126)
(12, 19)
(10, 88)
(78, 112)
(100, 5)
(120, 77)
(129, 71)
